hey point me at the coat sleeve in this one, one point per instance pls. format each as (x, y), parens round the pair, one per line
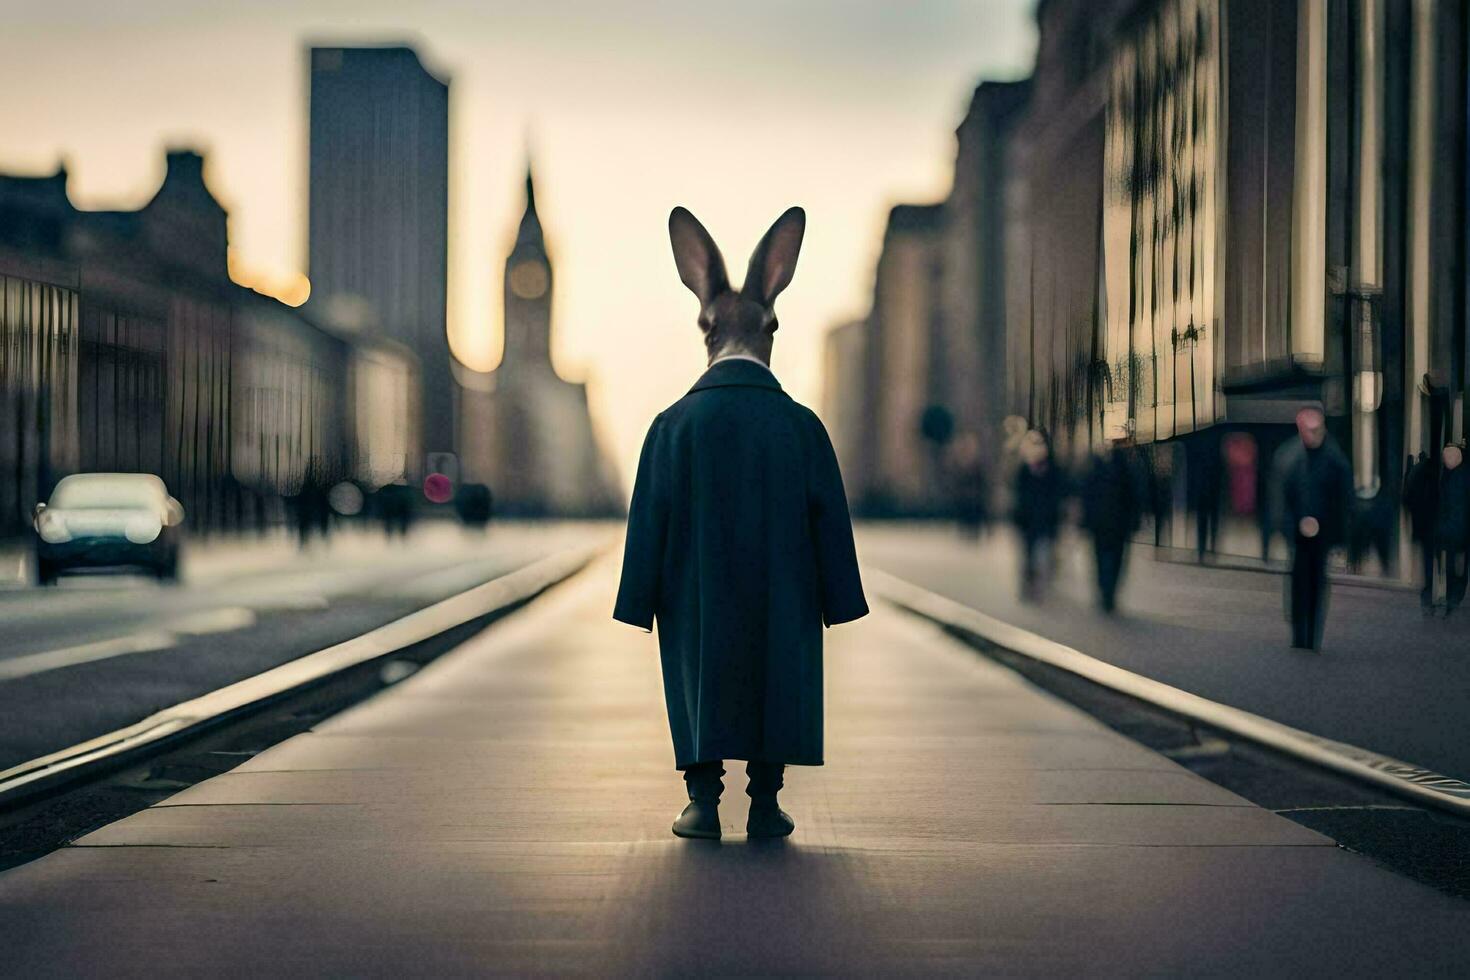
(648, 521)
(842, 587)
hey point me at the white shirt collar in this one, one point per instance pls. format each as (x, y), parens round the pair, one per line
(741, 357)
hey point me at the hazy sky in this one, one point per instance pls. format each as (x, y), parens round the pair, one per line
(736, 110)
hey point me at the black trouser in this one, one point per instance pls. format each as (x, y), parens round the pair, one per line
(1455, 574)
(1035, 564)
(1428, 558)
(1206, 526)
(1110, 556)
(1308, 592)
(704, 783)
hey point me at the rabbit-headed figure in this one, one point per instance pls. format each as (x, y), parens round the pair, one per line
(739, 543)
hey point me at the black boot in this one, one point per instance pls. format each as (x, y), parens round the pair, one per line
(701, 818)
(766, 818)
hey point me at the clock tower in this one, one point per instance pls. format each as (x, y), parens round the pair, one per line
(528, 294)
(528, 432)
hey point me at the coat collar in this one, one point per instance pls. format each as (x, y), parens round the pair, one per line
(737, 372)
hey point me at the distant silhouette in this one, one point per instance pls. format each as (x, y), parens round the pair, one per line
(739, 544)
(395, 506)
(311, 508)
(1452, 524)
(474, 504)
(1314, 487)
(1112, 502)
(1421, 500)
(1205, 491)
(1040, 490)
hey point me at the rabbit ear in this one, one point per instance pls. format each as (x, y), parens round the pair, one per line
(773, 262)
(701, 267)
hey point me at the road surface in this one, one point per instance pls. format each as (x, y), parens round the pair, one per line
(96, 653)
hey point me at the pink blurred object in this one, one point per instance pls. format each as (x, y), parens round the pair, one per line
(1240, 468)
(437, 488)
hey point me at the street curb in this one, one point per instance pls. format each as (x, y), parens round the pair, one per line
(1404, 779)
(22, 782)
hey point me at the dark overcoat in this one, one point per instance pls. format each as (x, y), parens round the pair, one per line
(1421, 500)
(1038, 500)
(740, 546)
(1112, 499)
(1313, 483)
(1452, 517)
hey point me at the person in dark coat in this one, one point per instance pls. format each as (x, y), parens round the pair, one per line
(1204, 488)
(1040, 489)
(1314, 486)
(1452, 524)
(1112, 502)
(1421, 501)
(739, 544)
(312, 509)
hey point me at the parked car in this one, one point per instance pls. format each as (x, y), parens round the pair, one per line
(111, 521)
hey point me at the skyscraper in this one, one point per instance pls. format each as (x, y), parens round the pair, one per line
(379, 212)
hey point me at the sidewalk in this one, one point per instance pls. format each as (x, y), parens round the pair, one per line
(507, 809)
(1387, 679)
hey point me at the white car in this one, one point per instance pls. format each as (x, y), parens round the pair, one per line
(117, 521)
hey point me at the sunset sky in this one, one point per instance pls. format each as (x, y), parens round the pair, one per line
(734, 110)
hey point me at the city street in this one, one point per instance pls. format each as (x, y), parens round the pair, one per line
(506, 811)
(1387, 679)
(96, 653)
(598, 435)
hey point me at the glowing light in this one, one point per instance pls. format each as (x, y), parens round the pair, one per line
(52, 528)
(143, 528)
(291, 288)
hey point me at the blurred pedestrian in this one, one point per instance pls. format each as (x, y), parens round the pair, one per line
(1161, 493)
(311, 509)
(1112, 503)
(1452, 524)
(1421, 501)
(1040, 488)
(1314, 486)
(970, 490)
(474, 504)
(394, 503)
(1204, 488)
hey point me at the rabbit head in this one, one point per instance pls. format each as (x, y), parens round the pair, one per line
(733, 322)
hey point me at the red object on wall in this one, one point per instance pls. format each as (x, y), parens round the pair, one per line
(438, 488)
(1240, 469)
